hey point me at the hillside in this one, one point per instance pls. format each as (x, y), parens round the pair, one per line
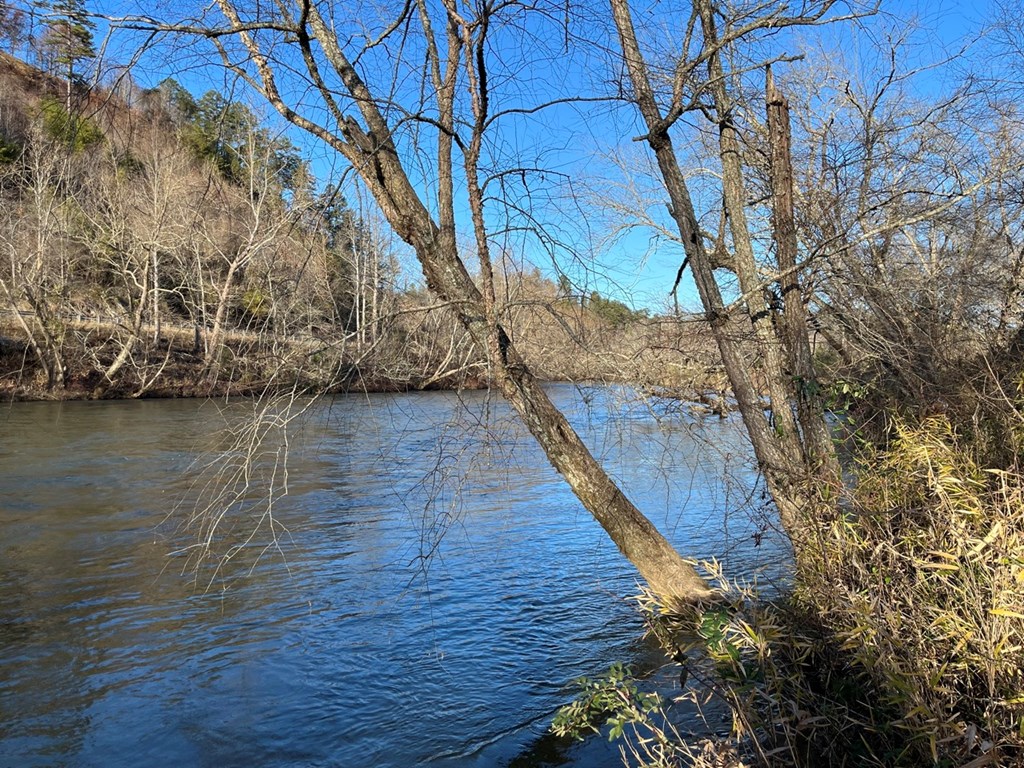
(160, 244)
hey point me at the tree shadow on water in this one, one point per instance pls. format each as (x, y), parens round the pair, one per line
(548, 750)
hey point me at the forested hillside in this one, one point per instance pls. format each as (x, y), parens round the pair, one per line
(159, 242)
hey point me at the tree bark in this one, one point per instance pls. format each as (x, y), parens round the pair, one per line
(820, 455)
(372, 152)
(775, 438)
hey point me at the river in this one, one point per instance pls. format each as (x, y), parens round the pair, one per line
(424, 592)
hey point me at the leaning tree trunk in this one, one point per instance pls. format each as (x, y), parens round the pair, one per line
(213, 355)
(373, 154)
(668, 574)
(778, 442)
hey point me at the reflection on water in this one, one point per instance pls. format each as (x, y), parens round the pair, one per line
(434, 595)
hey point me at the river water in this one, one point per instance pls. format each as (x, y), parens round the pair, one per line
(418, 588)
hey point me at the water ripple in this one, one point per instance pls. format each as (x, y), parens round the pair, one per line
(436, 592)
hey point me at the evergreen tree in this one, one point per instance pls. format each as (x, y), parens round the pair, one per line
(613, 312)
(68, 41)
(172, 100)
(228, 134)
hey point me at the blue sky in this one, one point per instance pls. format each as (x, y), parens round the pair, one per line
(574, 142)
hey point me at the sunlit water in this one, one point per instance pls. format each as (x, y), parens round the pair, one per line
(434, 595)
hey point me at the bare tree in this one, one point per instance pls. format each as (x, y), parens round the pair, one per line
(38, 251)
(892, 233)
(12, 25)
(354, 68)
(787, 428)
(910, 217)
(140, 225)
(237, 241)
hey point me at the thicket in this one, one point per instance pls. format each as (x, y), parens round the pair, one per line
(899, 640)
(74, 132)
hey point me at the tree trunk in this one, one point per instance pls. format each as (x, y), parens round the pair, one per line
(776, 440)
(667, 574)
(135, 332)
(370, 149)
(213, 355)
(154, 266)
(819, 453)
(40, 353)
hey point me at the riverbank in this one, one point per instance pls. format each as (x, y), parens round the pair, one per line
(171, 369)
(86, 360)
(82, 359)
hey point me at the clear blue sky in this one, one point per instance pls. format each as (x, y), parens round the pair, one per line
(577, 140)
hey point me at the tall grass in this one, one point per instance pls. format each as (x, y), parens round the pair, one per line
(902, 641)
(921, 584)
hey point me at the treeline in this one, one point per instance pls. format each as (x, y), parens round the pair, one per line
(127, 229)
(158, 243)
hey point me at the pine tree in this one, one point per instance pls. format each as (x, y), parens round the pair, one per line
(68, 40)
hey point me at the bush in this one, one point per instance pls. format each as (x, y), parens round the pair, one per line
(923, 584)
(10, 150)
(614, 702)
(613, 312)
(901, 642)
(75, 131)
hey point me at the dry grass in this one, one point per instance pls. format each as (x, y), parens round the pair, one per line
(922, 585)
(902, 642)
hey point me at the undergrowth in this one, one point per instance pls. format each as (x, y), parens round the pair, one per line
(900, 644)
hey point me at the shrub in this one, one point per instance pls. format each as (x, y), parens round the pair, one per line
(923, 584)
(75, 131)
(901, 641)
(10, 150)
